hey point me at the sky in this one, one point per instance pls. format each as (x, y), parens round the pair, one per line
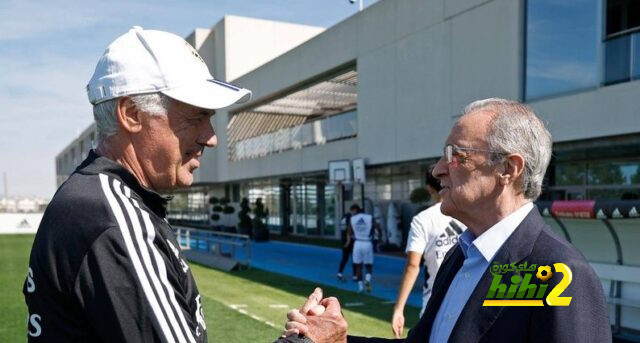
(48, 51)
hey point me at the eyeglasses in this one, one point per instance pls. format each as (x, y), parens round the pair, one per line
(451, 151)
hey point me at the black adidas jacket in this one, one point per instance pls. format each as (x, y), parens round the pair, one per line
(105, 265)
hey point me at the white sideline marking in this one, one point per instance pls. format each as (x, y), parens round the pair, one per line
(236, 307)
(17, 230)
(279, 306)
(353, 304)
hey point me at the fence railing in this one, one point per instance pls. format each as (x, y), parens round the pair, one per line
(184, 217)
(621, 58)
(316, 132)
(607, 232)
(231, 245)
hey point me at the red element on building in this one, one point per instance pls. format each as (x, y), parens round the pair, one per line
(583, 209)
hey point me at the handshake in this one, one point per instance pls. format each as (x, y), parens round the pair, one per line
(318, 320)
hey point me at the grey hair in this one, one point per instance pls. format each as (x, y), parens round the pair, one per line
(104, 113)
(515, 128)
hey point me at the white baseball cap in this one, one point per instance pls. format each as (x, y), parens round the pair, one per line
(147, 61)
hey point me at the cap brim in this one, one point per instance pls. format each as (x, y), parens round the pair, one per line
(210, 94)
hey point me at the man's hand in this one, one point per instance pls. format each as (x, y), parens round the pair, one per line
(397, 323)
(322, 322)
(312, 305)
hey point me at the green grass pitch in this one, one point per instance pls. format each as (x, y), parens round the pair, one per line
(240, 306)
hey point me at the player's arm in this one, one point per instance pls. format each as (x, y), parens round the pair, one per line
(122, 286)
(349, 235)
(411, 271)
(416, 244)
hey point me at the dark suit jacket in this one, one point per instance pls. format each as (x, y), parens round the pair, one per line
(584, 320)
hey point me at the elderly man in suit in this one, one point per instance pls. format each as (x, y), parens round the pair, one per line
(491, 171)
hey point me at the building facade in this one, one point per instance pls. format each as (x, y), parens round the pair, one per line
(387, 84)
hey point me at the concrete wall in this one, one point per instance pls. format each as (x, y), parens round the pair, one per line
(65, 162)
(234, 47)
(606, 111)
(250, 42)
(419, 62)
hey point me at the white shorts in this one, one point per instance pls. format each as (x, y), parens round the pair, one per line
(362, 252)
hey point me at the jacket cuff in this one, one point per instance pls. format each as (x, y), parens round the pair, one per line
(294, 339)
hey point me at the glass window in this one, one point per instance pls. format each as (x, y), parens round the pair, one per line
(330, 210)
(605, 179)
(563, 40)
(320, 131)
(268, 191)
(635, 55)
(383, 190)
(622, 15)
(614, 194)
(272, 205)
(617, 59)
(570, 174)
(235, 192)
(311, 209)
(614, 173)
(622, 62)
(304, 218)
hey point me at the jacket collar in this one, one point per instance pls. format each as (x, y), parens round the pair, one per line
(489, 242)
(475, 320)
(96, 164)
(478, 319)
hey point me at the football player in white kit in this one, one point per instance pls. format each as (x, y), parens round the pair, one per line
(431, 236)
(361, 229)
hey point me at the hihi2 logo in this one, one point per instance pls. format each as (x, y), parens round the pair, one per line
(521, 292)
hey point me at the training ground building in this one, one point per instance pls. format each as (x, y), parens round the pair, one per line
(382, 89)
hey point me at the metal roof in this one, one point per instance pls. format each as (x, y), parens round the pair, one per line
(335, 95)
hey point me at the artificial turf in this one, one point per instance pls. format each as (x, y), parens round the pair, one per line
(239, 306)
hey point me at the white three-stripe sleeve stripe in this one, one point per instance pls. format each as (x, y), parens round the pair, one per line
(142, 277)
(146, 258)
(161, 267)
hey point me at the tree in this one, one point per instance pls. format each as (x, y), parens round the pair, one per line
(420, 198)
(244, 221)
(260, 214)
(216, 210)
(419, 195)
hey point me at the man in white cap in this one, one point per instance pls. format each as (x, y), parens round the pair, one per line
(105, 264)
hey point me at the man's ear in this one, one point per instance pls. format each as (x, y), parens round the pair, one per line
(129, 118)
(514, 167)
